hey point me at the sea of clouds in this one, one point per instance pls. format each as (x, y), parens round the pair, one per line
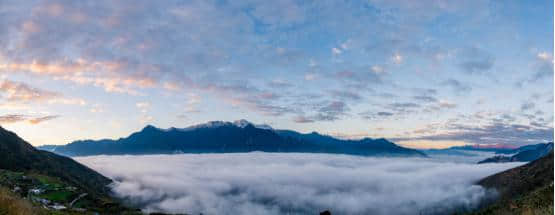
(294, 183)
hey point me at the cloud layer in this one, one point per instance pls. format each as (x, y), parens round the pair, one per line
(274, 183)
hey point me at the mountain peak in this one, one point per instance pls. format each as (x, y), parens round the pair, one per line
(150, 127)
(242, 123)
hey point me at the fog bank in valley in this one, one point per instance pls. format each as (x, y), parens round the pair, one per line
(277, 183)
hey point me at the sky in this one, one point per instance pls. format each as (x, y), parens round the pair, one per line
(426, 74)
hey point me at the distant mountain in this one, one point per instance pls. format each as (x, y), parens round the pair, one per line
(523, 154)
(483, 148)
(226, 137)
(524, 148)
(526, 189)
(448, 151)
(18, 155)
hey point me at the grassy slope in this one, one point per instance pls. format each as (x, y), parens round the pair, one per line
(12, 204)
(54, 190)
(537, 202)
(527, 189)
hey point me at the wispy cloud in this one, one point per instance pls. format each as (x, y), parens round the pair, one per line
(345, 95)
(302, 119)
(457, 86)
(327, 111)
(476, 60)
(426, 99)
(493, 133)
(18, 91)
(22, 93)
(544, 67)
(38, 120)
(13, 118)
(381, 115)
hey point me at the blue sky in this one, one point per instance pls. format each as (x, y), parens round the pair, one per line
(425, 74)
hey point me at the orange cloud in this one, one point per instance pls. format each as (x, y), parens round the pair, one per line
(38, 120)
(13, 118)
(17, 92)
(30, 27)
(109, 75)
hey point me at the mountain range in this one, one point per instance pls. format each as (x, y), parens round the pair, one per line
(522, 154)
(484, 148)
(229, 137)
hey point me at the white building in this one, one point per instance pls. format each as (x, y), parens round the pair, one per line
(58, 207)
(35, 191)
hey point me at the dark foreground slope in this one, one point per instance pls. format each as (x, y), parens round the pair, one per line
(527, 189)
(18, 155)
(39, 181)
(228, 137)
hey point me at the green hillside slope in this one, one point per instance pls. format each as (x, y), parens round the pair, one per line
(527, 189)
